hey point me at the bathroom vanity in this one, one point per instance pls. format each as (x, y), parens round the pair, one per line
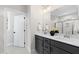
(66, 20)
(46, 44)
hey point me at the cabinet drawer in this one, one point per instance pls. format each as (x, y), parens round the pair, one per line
(67, 47)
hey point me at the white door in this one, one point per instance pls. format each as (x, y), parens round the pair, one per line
(19, 31)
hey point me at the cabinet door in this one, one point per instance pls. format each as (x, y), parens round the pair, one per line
(46, 51)
(67, 47)
(39, 44)
(46, 46)
(55, 50)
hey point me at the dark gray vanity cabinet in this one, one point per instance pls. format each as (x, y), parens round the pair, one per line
(50, 46)
(67, 47)
(56, 49)
(47, 46)
(42, 45)
(39, 44)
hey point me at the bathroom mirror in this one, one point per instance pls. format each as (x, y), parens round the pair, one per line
(59, 26)
(76, 27)
(66, 19)
(67, 28)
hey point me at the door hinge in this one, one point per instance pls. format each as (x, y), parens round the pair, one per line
(24, 43)
(24, 17)
(24, 30)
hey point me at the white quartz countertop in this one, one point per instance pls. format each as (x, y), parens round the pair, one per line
(72, 40)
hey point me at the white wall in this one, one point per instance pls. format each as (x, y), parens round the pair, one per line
(1, 33)
(36, 17)
(47, 19)
(23, 8)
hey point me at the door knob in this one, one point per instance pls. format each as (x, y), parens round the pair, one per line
(14, 32)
